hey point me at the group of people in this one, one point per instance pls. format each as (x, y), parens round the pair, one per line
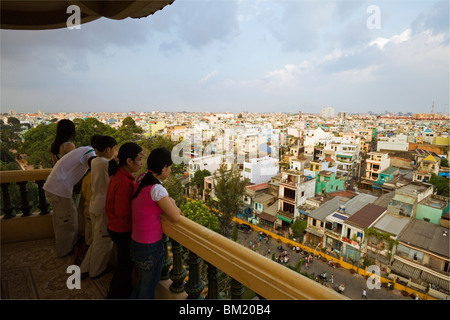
(119, 209)
(283, 258)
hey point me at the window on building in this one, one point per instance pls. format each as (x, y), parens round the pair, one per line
(288, 207)
(289, 193)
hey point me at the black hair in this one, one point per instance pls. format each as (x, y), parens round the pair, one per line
(94, 140)
(127, 150)
(65, 130)
(102, 142)
(156, 161)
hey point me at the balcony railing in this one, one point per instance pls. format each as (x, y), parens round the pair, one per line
(245, 267)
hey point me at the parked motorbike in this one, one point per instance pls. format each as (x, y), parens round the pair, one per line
(323, 276)
(340, 288)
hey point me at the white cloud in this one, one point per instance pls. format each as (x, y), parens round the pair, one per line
(208, 77)
(381, 42)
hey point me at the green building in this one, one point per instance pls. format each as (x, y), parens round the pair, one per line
(384, 176)
(432, 208)
(328, 181)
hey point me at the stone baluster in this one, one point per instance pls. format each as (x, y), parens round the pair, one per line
(167, 259)
(43, 203)
(213, 286)
(195, 285)
(6, 207)
(26, 206)
(237, 289)
(178, 273)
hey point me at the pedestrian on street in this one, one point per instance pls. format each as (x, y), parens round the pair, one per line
(364, 294)
(332, 278)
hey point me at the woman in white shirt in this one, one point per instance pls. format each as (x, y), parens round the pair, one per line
(58, 189)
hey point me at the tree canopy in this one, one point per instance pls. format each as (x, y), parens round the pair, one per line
(228, 188)
(197, 211)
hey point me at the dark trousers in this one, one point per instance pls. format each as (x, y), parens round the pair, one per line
(121, 283)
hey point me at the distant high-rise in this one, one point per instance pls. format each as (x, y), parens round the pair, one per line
(342, 115)
(327, 112)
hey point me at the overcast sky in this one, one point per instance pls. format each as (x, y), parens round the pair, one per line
(243, 55)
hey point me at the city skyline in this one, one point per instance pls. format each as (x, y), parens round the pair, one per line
(234, 56)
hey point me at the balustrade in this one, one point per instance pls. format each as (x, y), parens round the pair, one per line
(21, 178)
(245, 267)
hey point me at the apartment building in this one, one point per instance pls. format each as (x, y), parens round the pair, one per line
(294, 189)
(393, 143)
(376, 162)
(312, 138)
(210, 163)
(354, 230)
(335, 228)
(260, 170)
(345, 153)
(422, 259)
(427, 163)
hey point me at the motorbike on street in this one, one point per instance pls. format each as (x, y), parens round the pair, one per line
(332, 264)
(340, 288)
(323, 276)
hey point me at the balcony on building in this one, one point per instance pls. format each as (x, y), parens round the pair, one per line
(31, 270)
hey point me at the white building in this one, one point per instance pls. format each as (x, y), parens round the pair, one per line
(210, 163)
(294, 189)
(395, 143)
(313, 137)
(376, 162)
(260, 170)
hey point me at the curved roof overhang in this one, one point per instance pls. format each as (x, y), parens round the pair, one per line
(54, 14)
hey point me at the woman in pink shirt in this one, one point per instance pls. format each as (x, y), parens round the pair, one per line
(150, 200)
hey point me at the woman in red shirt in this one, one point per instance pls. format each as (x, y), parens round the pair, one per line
(118, 212)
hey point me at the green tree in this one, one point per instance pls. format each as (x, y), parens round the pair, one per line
(228, 188)
(198, 180)
(89, 127)
(441, 184)
(128, 132)
(197, 211)
(37, 143)
(175, 189)
(444, 163)
(298, 228)
(10, 142)
(13, 121)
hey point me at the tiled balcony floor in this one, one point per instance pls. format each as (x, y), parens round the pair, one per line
(31, 270)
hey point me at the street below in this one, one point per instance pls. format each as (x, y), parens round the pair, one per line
(354, 283)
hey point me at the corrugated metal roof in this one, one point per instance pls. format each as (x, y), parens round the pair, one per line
(405, 199)
(427, 236)
(358, 202)
(366, 216)
(326, 209)
(392, 224)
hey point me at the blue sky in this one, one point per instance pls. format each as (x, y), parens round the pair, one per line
(244, 55)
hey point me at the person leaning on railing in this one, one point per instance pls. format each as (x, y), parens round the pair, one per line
(118, 211)
(68, 171)
(149, 202)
